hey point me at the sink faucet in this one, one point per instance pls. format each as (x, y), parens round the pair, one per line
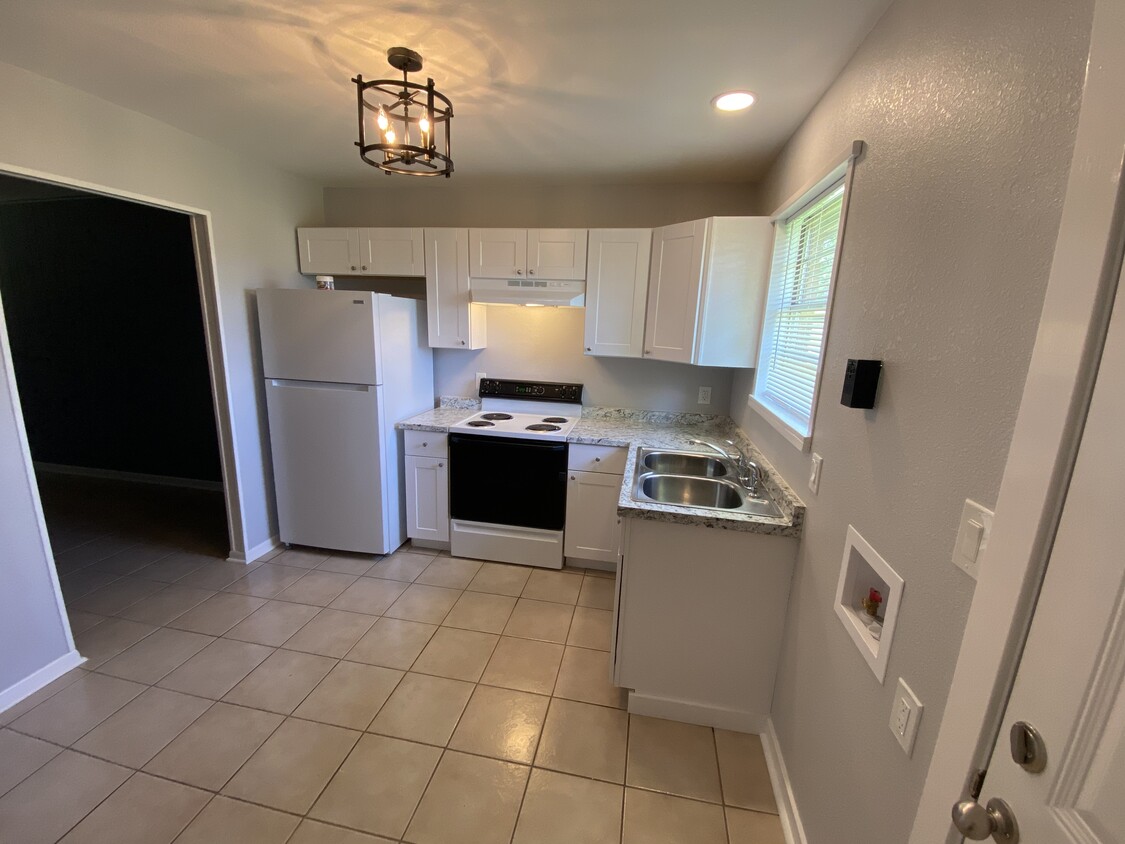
(749, 473)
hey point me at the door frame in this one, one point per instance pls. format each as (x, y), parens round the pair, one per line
(209, 302)
(1060, 380)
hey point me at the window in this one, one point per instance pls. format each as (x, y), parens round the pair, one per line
(796, 316)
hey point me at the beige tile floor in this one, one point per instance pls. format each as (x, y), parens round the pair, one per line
(317, 698)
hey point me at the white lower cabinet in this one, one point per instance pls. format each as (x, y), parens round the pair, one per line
(593, 529)
(427, 487)
(698, 620)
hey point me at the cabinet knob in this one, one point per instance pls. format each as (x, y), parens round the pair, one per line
(648, 351)
(573, 478)
(588, 349)
(531, 272)
(353, 268)
(424, 445)
(462, 342)
(364, 267)
(597, 460)
(519, 272)
(441, 465)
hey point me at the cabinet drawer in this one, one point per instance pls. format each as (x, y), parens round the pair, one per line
(426, 444)
(597, 458)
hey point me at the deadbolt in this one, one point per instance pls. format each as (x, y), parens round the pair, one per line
(1028, 748)
(977, 822)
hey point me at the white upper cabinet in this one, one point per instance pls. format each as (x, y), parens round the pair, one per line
(616, 291)
(528, 253)
(707, 289)
(454, 322)
(368, 251)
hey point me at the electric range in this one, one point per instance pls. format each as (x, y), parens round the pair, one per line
(507, 472)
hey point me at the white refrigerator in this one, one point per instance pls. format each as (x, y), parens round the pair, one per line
(341, 368)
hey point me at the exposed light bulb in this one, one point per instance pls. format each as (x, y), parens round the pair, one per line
(389, 134)
(424, 124)
(382, 119)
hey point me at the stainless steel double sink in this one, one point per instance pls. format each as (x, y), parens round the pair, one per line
(691, 479)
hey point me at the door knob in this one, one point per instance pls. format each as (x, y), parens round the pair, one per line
(977, 822)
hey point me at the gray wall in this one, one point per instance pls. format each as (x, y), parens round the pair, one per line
(32, 627)
(969, 111)
(54, 129)
(547, 343)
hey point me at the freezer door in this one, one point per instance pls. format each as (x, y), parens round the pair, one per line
(327, 464)
(319, 335)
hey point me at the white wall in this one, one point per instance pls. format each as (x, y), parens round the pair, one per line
(547, 343)
(54, 129)
(969, 111)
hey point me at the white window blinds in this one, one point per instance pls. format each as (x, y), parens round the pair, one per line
(793, 329)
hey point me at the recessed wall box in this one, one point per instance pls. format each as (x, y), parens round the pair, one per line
(861, 380)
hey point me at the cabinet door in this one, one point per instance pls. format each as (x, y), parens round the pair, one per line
(616, 291)
(329, 251)
(427, 498)
(454, 322)
(556, 253)
(497, 253)
(593, 528)
(673, 291)
(391, 251)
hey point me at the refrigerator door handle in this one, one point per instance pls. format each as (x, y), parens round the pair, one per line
(320, 385)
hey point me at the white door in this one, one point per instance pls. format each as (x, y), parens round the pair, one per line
(448, 303)
(427, 498)
(616, 292)
(556, 253)
(1071, 680)
(392, 251)
(328, 251)
(593, 528)
(673, 291)
(497, 253)
(326, 464)
(319, 335)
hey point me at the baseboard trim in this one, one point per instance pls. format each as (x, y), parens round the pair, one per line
(695, 713)
(132, 477)
(47, 674)
(782, 787)
(259, 550)
(428, 544)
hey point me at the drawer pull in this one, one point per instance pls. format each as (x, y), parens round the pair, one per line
(597, 460)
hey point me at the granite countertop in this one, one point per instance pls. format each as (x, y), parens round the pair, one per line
(635, 429)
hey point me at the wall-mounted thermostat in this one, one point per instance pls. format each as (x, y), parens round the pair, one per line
(861, 381)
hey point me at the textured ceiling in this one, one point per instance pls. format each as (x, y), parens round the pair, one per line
(615, 90)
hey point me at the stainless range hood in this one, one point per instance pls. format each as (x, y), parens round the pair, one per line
(527, 291)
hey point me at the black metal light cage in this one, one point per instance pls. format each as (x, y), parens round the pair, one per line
(405, 103)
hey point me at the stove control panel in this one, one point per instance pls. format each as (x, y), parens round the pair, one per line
(540, 390)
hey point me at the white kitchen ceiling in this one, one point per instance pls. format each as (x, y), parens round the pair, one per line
(597, 90)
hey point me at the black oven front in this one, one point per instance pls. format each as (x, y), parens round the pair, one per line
(505, 481)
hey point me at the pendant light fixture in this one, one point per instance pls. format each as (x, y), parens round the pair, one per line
(406, 119)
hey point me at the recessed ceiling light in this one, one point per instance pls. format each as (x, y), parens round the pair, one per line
(733, 101)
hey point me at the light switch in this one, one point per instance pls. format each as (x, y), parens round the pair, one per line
(814, 473)
(972, 538)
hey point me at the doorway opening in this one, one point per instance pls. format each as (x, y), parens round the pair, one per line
(107, 332)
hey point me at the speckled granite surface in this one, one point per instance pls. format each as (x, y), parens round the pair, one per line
(437, 420)
(634, 429)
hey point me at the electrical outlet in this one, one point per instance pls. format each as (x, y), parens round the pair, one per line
(704, 395)
(906, 712)
(814, 473)
(480, 377)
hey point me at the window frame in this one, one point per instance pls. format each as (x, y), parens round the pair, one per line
(841, 171)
